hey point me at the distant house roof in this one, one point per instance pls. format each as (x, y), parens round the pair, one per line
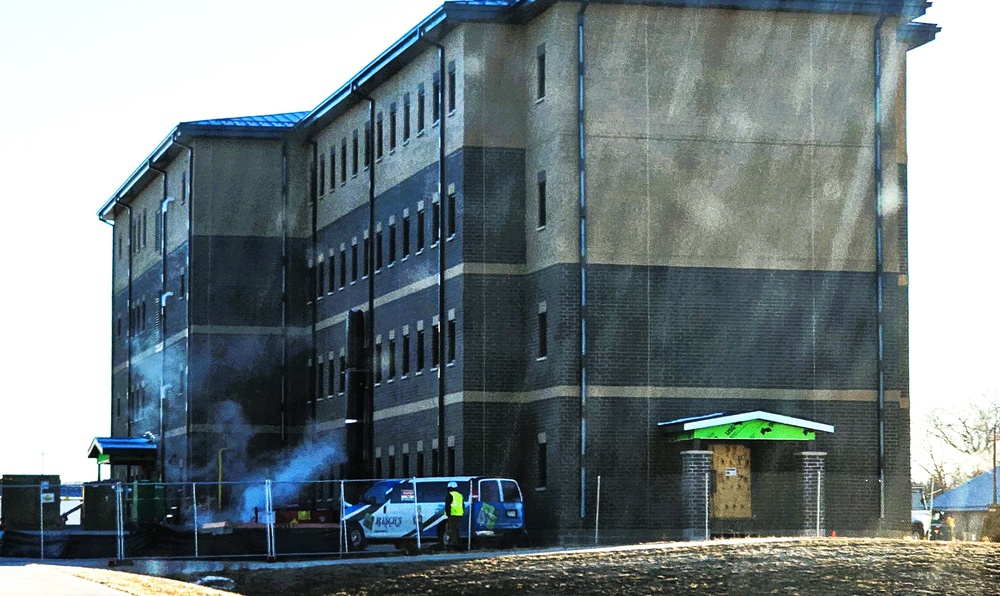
(974, 495)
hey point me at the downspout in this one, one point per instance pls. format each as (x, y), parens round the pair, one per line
(189, 194)
(113, 267)
(582, 171)
(442, 262)
(314, 278)
(284, 289)
(369, 413)
(128, 309)
(163, 309)
(879, 263)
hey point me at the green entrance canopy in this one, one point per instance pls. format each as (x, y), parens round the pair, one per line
(757, 425)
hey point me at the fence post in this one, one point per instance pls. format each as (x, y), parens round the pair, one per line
(119, 523)
(343, 525)
(269, 503)
(194, 497)
(707, 496)
(416, 511)
(819, 500)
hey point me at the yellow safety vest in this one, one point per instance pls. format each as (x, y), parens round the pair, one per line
(457, 506)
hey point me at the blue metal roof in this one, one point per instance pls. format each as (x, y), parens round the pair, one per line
(974, 495)
(286, 120)
(122, 446)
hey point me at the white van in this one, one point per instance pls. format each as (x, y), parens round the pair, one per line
(392, 509)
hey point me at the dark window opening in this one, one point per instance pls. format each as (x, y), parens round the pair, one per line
(378, 362)
(406, 465)
(343, 160)
(367, 255)
(343, 268)
(331, 380)
(435, 462)
(354, 262)
(451, 340)
(540, 73)
(354, 154)
(378, 137)
(541, 200)
(406, 236)
(378, 251)
(435, 345)
(392, 466)
(543, 465)
(368, 143)
(392, 358)
(420, 350)
(452, 218)
(405, 354)
(543, 340)
(333, 167)
(332, 276)
(420, 229)
(421, 103)
(420, 463)
(451, 461)
(342, 379)
(319, 380)
(392, 243)
(435, 223)
(436, 99)
(378, 467)
(451, 87)
(322, 175)
(320, 280)
(406, 117)
(392, 128)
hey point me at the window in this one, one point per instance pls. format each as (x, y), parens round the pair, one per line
(406, 465)
(421, 103)
(435, 462)
(452, 221)
(320, 279)
(406, 234)
(541, 199)
(333, 166)
(182, 287)
(406, 118)
(332, 278)
(354, 261)
(354, 154)
(392, 243)
(342, 380)
(322, 175)
(392, 466)
(392, 128)
(319, 381)
(378, 467)
(451, 460)
(312, 283)
(436, 99)
(343, 160)
(157, 229)
(378, 250)
(368, 143)
(420, 349)
(540, 72)
(392, 357)
(378, 137)
(435, 222)
(367, 255)
(452, 332)
(420, 228)
(435, 344)
(420, 463)
(543, 464)
(451, 87)
(543, 340)
(405, 354)
(331, 376)
(343, 267)
(378, 360)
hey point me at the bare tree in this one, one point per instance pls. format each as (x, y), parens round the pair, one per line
(972, 430)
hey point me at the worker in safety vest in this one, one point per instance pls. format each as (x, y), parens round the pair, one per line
(454, 508)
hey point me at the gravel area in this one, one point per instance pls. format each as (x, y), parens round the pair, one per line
(827, 566)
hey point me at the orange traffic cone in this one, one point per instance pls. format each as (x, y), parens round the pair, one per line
(833, 534)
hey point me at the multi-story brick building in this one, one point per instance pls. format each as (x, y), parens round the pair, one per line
(577, 225)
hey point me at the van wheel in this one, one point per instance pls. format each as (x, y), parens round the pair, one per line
(356, 540)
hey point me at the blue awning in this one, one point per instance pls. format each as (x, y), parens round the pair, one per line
(123, 450)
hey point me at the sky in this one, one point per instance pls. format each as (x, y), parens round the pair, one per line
(89, 87)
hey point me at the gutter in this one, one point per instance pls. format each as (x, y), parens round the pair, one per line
(128, 336)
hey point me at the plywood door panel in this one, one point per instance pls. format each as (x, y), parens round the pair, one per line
(731, 493)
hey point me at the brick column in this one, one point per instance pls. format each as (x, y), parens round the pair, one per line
(696, 467)
(812, 474)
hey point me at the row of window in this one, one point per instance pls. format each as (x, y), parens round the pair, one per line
(137, 314)
(394, 243)
(334, 378)
(404, 471)
(399, 121)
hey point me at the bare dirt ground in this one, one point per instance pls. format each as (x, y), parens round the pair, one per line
(828, 566)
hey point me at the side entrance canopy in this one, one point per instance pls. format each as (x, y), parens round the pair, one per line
(756, 425)
(123, 451)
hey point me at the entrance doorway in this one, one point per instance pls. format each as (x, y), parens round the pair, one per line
(731, 489)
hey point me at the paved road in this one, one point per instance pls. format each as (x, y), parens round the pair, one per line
(46, 580)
